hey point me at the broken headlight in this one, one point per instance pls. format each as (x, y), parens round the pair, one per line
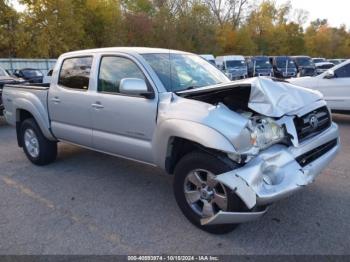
(265, 132)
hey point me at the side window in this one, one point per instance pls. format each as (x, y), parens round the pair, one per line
(75, 73)
(343, 71)
(113, 69)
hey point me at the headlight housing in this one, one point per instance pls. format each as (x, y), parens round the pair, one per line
(265, 132)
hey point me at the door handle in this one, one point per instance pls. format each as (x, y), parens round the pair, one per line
(97, 105)
(56, 100)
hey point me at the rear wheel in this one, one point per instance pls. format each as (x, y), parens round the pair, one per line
(38, 149)
(199, 195)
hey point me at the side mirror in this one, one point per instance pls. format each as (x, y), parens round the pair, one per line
(135, 87)
(329, 74)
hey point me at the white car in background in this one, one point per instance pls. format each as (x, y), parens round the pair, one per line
(323, 67)
(210, 58)
(336, 61)
(318, 60)
(233, 66)
(334, 84)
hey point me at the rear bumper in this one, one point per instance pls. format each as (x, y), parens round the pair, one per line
(275, 174)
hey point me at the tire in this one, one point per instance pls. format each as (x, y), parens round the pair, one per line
(40, 151)
(203, 161)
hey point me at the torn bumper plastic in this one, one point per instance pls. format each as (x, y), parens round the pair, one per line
(277, 173)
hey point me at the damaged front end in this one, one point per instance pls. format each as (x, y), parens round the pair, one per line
(291, 140)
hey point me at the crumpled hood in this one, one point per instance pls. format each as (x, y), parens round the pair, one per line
(275, 99)
(267, 97)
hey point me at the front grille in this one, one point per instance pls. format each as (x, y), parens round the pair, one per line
(308, 71)
(312, 155)
(312, 123)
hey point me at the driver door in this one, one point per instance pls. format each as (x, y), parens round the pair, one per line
(122, 124)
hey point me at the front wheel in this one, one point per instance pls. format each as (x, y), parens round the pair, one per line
(38, 149)
(199, 195)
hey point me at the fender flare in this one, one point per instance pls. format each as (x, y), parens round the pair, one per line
(192, 131)
(38, 111)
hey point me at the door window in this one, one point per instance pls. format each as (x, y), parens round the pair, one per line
(113, 69)
(343, 71)
(75, 73)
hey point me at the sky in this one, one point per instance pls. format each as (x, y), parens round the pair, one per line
(336, 11)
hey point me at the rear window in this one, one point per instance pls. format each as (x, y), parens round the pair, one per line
(31, 73)
(75, 73)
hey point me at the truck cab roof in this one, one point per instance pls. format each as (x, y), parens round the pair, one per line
(138, 50)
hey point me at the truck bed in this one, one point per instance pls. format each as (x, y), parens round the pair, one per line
(32, 98)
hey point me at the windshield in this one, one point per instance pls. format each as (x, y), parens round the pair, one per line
(325, 66)
(184, 71)
(235, 63)
(32, 73)
(212, 62)
(284, 63)
(335, 62)
(304, 61)
(262, 63)
(318, 60)
(3, 72)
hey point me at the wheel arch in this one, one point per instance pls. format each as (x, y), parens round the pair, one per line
(25, 110)
(175, 138)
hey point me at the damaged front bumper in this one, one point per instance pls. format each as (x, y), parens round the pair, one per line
(277, 173)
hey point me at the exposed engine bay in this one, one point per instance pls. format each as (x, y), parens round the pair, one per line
(260, 95)
(236, 99)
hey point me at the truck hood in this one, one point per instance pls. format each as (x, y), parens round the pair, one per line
(265, 96)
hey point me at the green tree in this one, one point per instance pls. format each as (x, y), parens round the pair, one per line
(9, 24)
(52, 27)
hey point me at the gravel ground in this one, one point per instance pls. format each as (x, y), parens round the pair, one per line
(90, 203)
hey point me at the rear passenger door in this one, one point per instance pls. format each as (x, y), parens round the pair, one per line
(70, 102)
(123, 124)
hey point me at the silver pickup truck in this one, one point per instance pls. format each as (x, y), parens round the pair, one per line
(234, 148)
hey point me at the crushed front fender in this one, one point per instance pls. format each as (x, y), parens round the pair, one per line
(275, 174)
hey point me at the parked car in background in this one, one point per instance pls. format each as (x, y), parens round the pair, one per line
(233, 148)
(210, 58)
(283, 67)
(305, 66)
(5, 78)
(47, 78)
(322, 67)
(319, 60)
(259, 66)
(336, 61)
(34, 76)
(234, 66)
(334, 84)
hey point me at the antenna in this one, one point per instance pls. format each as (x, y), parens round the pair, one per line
(171, 72)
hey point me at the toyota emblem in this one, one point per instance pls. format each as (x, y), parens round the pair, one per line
(313, 122)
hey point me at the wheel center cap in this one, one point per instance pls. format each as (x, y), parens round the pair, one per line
(205, 194)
